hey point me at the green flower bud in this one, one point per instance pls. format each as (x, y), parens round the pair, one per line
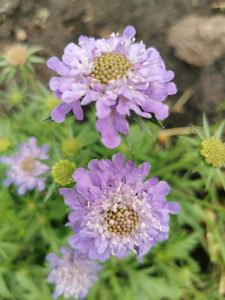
(71, 146)
(213, 150)
(62, 172)
(4, 144)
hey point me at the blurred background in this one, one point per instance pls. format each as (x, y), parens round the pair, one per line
(190, 35)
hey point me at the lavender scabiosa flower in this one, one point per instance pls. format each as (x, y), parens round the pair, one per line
(117, 74)
(25, 167)
(115, 211)
(72, 274)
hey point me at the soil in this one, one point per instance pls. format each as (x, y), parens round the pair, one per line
(54, 23)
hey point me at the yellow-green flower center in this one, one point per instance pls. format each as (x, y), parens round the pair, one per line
(110, 66)
(62, 172)
(4, 144)
(213, 150)
(71, 146)
(123, 221)
(28, 164)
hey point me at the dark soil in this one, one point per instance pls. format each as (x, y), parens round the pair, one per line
(54, 23)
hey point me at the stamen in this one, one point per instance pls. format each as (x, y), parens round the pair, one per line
(110, 66)
(123, 221)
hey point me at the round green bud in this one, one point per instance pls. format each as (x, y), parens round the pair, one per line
(213, 150)
(62, 172)
(71, 146)
(4, 144)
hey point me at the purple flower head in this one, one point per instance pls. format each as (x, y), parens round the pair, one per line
(115, 211)
(25, 167)
(117, 74)
(72, 274)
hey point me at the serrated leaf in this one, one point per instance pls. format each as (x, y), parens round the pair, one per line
(179, 246)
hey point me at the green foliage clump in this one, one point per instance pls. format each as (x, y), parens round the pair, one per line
(190, 265)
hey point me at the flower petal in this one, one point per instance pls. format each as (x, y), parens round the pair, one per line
(59, 113)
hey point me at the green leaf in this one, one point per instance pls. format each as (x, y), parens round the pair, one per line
(209, 179)
(36, 60)
(48, 119)
(155, 288)
(221, 177)
(206, 126)
(179, 246)
(50, 191)
(142, 124)
(156, 122)
(219, 130)
(34, 49)
(4, 291)
(197, 131)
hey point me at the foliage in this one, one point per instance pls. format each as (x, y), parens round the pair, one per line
(190, 265)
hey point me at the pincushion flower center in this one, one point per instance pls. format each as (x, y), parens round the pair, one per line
(213, 150)
(123, 221)
(28, 164)
(17, 55)
(110, 66)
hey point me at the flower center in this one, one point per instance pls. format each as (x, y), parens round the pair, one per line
(110, 66)
(123, 221)
(17, 55)
(213, 150)
(28, 164)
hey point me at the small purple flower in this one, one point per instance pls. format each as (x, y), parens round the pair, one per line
(115, 211)
(25, 168)
(117, 74)
(73, 274)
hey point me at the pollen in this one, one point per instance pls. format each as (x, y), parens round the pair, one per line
(123, 221)
(17, 55)
(62, 172)
(110, 66)
(213, 150)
